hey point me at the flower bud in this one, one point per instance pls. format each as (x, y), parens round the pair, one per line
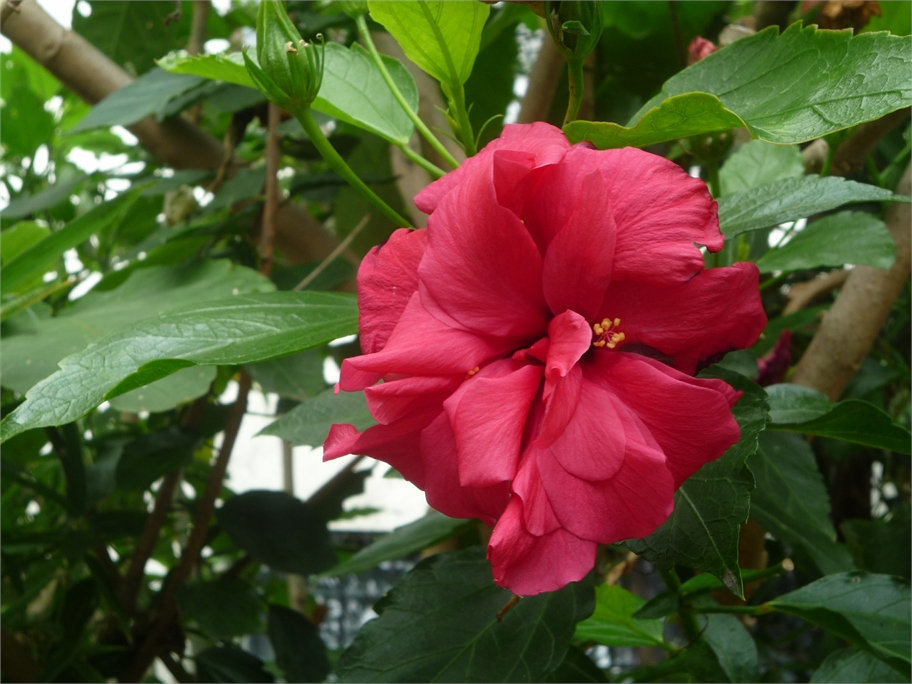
(352, 8)
(575, 26)
(290, 69)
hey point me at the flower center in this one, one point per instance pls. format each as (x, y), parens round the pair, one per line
(606, 333)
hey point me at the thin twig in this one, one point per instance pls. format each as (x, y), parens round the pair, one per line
(271, 203)
(341, 247)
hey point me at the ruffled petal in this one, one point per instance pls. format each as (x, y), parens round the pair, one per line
(438, 451)
(481, 267)
(538, 514)
(401, 397)
(690, 418)
(421, 344)
(569, 337)
(543, 141)
(578, 261)
(488, 415)
(397, 444)
(387, 278)
(527, 564)
(714, 312)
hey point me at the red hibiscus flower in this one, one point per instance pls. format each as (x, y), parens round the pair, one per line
(537, 343)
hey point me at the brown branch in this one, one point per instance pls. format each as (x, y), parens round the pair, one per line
(150, 646)
(848, 330)
(850, 156)
(543, 80)
(802, 294)
(199, 27)
(271, 202)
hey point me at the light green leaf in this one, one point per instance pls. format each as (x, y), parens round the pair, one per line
(41, 256)
(439, 624)
(790, 199)
(309, 422)
(440, 36)
(867, 610)
(235, 330)
(800, 409)
(854, 666)
(613, 623)
(791, 500)
(401, 542)
(227, 67)
(168, 392)
(149, 94)
(759, 163)
(702, 532)
(679, 116)
(34, 344)
(793, 87)
(849, 237)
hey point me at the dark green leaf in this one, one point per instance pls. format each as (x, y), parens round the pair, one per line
(26, 124)
(733, 645)
(881, 545)
(849, 237)
(613, 623)
(221, 609)
(577, 667)
(147, 95)
(702, 532)
(278, 530)
(791, 500)
(786, 88)
(299, 651)
(230, 664)
(439, 624)
(800, 409)
(401, 542)
(151, 456)
(236, 330)
(309, 422)
(852, 666)
(867, 610)
(439, 36)
(790, 199)
(299, 376)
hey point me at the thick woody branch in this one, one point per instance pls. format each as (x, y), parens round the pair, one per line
(848, 330)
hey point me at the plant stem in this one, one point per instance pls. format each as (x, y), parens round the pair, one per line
(394, 89)
(339, 165)
(762, 609)
(688, 617)
(575, 86)
(434, 170)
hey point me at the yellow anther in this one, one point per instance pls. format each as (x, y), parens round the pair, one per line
(606, 333)
(472, 372)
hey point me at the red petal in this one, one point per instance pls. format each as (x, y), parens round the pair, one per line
(527, 564)
(578, 262)
(395, 399)
(689, 417)
(714, 312)
(569, 337)
(396, 444)
(488, 415)
(387, 277)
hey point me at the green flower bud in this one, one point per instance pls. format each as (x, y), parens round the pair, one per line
(353, 8)
(290, 70)
(575, 26)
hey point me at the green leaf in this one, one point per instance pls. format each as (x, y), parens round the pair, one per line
(234, 330)
(849, 237)
(439, 624)
(791, 500)
(309, 422)
(165, 394)
(577, 667)
(758, 163)
(299, 651)
(613, 623)
(354, 91)
(439, 36)
(790, 199)
(230, 664)
(26, 124)
(48, 198)
(221, 609)
(147, 95)
(403, 541)
(867, 610)
(881, 545)
(703, 529)
(34, 344)
(41, 256)
(852, 666)
(679, 116)
(278, 530)
(799, 409)
(788, 88)
(733, 645)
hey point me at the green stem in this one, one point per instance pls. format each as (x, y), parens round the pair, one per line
(339, 165)
(397, 94)
(689, 623)
(575, 86)
(433, 169)
(762, 609)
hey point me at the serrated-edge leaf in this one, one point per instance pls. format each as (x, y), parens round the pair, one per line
(234, 330)
(613, 622)
(308, 423)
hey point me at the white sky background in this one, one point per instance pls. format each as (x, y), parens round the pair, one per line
(256, 462)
